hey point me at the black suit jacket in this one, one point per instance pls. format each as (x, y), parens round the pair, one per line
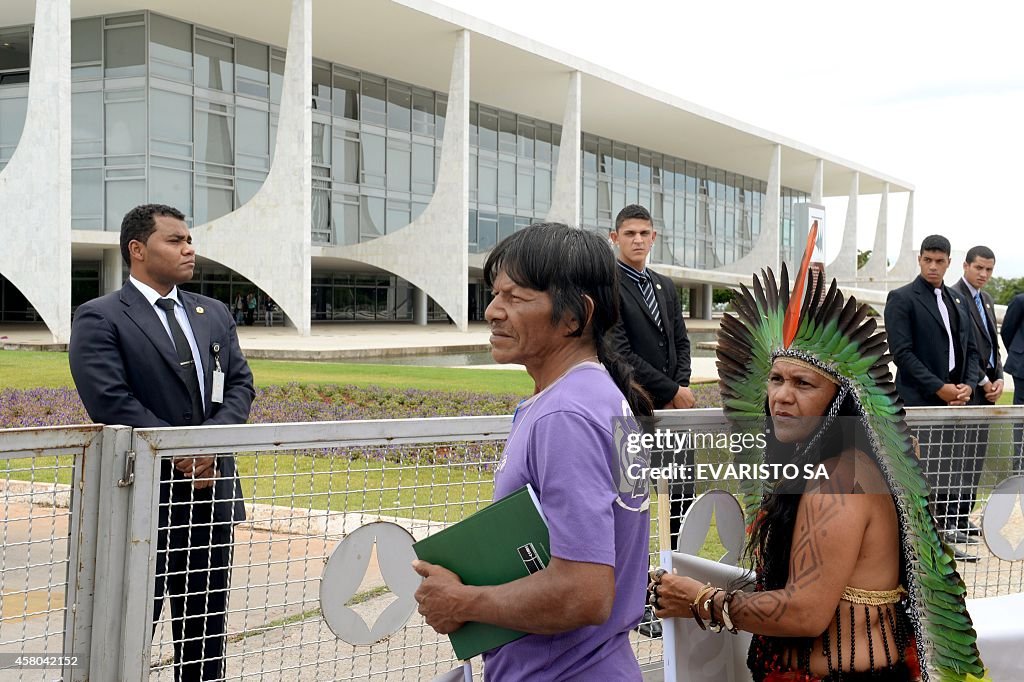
(1012, 332)
(987, 343)
(919, 345)
(661, 360)
(126, 371)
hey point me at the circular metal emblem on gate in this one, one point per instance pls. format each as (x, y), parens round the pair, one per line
(1003, 522)
(345, 570)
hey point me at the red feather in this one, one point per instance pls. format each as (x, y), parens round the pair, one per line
(792, 320)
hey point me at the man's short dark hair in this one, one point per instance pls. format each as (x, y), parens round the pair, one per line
(936, 242)
(139, 223)
(632, 212)
(976, 252)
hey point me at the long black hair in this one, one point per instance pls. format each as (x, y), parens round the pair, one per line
(568, 264)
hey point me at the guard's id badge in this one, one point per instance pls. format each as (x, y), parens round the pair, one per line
(217, 392)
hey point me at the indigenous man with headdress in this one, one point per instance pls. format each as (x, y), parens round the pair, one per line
(848, 586)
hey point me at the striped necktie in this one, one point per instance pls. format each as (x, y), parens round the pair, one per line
(984, 326)
(647, 291)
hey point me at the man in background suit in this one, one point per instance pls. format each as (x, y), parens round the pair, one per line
(1012, 332)
(931, 339)
(651, 336)
(978, 267)
(152, 355)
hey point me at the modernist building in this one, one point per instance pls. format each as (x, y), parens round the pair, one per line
(356, 160)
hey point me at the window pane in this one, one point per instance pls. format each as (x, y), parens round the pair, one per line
(399, 106)
(346, 160)
(422, 169)
(85, 42)
(123, 196)
(526, 137)
(171, 187)
(543, 185)
(211, 202)
(506, 183)
(170, 40)
(372, 149)
(423, 113)
(524, 190)
(398, 215)
(87, 197)
(214, 66)
(86, 123)
(321, 143)
(372, 102)
(125, 51)
(543, 142)
(398, 166)
(346, 95)
(213, 139)
(253, 61)
(488, 189)
(371, 218)
(277, 58)
(488, 130)
(507, 133)
(321, 87)
(126, 128)
(253, 128)
(170, 116)
(487, 231)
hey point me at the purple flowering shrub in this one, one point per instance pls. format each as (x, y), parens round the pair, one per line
(298, 403)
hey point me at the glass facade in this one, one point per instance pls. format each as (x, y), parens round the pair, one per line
(512, 162)
(171, 112)
(705, 217)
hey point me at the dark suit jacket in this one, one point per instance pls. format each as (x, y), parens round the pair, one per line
(126, 371)
(1012, 332)
(987, 343)
(919, 345)
(661, 360)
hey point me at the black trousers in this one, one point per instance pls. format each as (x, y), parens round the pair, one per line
(193, 571)
(1018, 429)
(949, 457)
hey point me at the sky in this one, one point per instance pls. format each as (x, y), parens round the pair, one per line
(931, 93)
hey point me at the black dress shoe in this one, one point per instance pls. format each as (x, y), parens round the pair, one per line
(964, 557)
(649, 625)
(972, 530)
(957, 537)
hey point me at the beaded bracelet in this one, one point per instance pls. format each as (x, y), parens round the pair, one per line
(726, 620)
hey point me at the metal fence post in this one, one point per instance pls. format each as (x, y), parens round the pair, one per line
(82, 546)
(110, 537)
(139, 561)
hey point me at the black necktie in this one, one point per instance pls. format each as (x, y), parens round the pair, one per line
(185, 359)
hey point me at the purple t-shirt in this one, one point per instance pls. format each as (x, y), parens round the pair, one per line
(566, 441)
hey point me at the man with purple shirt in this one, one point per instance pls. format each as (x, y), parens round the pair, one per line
(555, 302)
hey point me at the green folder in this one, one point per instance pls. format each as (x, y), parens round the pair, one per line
(502, 542)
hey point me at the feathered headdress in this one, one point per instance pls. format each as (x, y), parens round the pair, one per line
(834, 334)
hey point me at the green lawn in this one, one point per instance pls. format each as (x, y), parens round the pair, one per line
(32, 369)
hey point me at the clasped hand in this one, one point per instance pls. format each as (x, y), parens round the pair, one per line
(202, 470)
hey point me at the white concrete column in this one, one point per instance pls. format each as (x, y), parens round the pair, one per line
(707, 301)
(873, 274)
(906, 267)
(419, 306)
(766, 250)
(111, 276)
(565, 198)
(432, 252)
(844, 266)
(818, 183)
(35, 186)
(280, 264)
